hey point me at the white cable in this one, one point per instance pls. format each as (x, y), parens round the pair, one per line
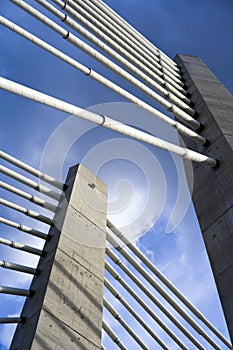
(155, 300)
(95, 30)
(161, 291)
(24, 228)
(113, 336)
(42, 176)
(179, 99)
(28, 196)
(103, 121)
(168, 284)
(106, 25)
(20, 246)
(180, 128)
(28, 182)
(16, 267)
(141, 38)
(114, 67)
(183, 111)
(30, 213)
(142, 302)
(115, 293)
(116, 315)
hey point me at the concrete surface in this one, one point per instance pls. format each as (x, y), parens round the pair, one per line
(65, 311)
(213, 188)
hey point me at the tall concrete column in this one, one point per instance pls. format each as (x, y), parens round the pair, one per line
(213, 188)
(65, 310)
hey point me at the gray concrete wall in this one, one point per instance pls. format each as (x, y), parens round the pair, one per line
(65, 311)
(213, 188)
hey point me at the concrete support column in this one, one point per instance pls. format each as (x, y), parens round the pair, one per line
(65, 311)
(213, 188)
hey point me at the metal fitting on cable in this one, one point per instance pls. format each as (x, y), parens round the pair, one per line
(89, 73)
(101, 115)
(64, 19)
(171, 108)
(67, 35)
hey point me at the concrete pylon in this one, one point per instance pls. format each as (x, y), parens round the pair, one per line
(213, 188)
(65, 310)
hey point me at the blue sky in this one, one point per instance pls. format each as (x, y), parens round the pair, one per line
(36, 134)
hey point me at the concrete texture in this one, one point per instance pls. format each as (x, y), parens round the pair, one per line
(213, 188)
(65, 311)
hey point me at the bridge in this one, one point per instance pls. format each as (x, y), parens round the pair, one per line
(76, 241)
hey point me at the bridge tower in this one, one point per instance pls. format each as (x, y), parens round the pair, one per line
(212, 194)
(64, 304)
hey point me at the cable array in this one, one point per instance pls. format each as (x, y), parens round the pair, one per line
(130, 253)
(162, 286)
(144, 67)
(138, 62)
(53, 192)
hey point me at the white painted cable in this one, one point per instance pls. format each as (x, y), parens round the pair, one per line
(162, 292)
(16, 267)
(153, 298)
(28, 182)
(180, 128)
(95, 30)
(185, 109)
(42, 176)
(161, 86)
(168, 70)
(107, 25)
(27, 212)
(128, 329)
(113, 336)
(20, 246)
(142, 302)
(103, 121)
(24, 228)
(168, 284)
(28, 196)
(142, 39)
(114, 67)
(117, 295)
(103, 25)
